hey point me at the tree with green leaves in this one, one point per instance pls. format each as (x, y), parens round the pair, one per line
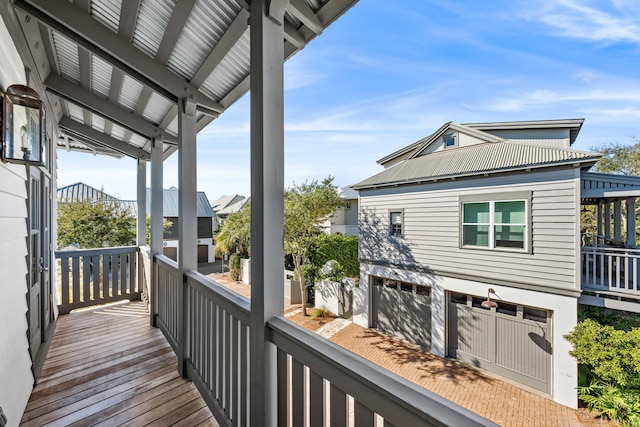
(235, 232)
(95, 224)
(166, 224)
(306, 207)
(619, 159)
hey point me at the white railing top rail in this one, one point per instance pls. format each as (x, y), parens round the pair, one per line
(236, 305)
(165, 260)
(95, 251)
(399, 401)
(613, 250)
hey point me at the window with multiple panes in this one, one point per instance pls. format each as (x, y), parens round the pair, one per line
(395, 223)
(495, 224)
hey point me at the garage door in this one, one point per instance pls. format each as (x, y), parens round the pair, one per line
(203, 254)
(403, 310)
(512, 340)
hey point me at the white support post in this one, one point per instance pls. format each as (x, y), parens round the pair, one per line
(141, 194)
(156, 230)
(631, 222)
(141, 223)
(187, 217)
(607, 220)
(267, 204)
(617, 220)
(600, 221)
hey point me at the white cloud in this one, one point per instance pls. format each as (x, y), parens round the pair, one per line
(597, 22)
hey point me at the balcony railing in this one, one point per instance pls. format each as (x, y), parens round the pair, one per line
(318, 382)
(96, 276)
(615, 270)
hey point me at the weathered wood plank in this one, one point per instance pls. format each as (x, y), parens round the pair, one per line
(110, 367)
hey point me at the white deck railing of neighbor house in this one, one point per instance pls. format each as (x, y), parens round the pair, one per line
(318, 382)
(615, 270)
(96, 276)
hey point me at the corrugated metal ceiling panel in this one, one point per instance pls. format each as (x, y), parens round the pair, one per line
(227, 74)
(173, 127)
(130, 93)
(67, 55)
(118, 131)
(157, 108)
(138, 140)
(97, 122)
(100, 77)
(75, 112)
(194, 45)
(153, 18)
(107, 12)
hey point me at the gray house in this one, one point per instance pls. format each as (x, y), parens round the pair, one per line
(345, 218)
(170, 212)
(470, 246)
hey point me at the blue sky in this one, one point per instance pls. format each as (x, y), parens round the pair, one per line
(389, 73)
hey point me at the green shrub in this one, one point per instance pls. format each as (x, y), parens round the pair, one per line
(234, 266)
(609, 363)
(344, 249)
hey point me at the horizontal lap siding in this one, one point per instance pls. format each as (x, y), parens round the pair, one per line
(15, 368)
(431, 229)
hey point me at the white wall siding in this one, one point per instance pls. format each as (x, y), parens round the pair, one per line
(16, 379)
(431, 229)
(15, 363)
(548, 137)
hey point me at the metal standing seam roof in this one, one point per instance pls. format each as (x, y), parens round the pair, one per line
(489, 157)
(113, 70)
(170, 203)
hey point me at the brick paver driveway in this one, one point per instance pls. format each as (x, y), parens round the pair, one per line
(494, 399)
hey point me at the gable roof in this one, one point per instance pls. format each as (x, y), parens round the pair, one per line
(170, 207)
(418, 147)
(234, 207)
(225, 201)
(347, 193)
(489, 157)
(79, 192)
(479, 130)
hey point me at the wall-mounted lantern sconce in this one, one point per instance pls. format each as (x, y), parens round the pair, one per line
(23, 128)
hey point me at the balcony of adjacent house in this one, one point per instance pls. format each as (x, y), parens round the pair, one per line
(109, 365)
(610, 256)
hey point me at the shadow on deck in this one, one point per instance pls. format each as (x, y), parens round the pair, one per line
(109, 367)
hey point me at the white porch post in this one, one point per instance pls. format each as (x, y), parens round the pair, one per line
(156, 213)
(617, 220)
(141, 230)
(631, 222)
(267, 202)
(607, 219)
(187, 216)
(600, 221)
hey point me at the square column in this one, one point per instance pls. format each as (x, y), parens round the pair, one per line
(617, 220)
(267, 201)
(631, 222)
(156, 213)
(187, 217)
(141, 229)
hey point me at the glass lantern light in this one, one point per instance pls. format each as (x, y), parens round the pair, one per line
(23, 129)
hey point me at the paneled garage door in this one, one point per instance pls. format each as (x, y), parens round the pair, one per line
(513, 340)
(403, 310)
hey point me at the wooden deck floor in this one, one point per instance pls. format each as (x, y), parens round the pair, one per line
(109, 367)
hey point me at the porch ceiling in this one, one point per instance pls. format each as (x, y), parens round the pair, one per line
(115, 69)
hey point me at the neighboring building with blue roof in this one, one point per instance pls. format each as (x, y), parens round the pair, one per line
(205, 224)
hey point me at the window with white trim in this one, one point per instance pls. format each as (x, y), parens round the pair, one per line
(450, 140)
(395, 223)
(495, 224)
